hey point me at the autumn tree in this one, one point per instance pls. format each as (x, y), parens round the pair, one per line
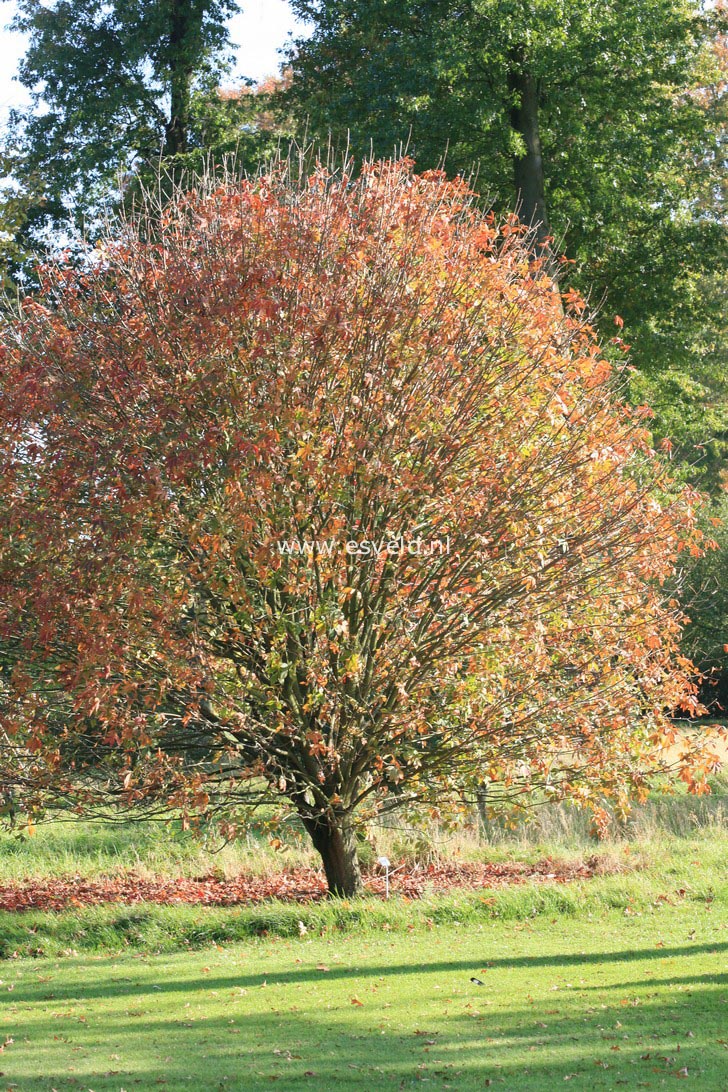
(314, 492)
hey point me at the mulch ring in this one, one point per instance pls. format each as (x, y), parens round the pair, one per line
(299, 885)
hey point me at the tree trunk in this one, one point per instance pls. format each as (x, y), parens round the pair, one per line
(528, 174)
(335, 840)
(481, 800)
(180, 79)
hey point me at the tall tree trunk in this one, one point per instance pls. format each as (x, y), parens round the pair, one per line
(180, 79)
(528, 174)
(335, 840)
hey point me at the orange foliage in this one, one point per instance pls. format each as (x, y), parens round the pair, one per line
(338, 360)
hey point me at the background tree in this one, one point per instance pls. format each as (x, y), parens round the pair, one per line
(246, 124)
(114, 87)
(706, 598)
(198, 434)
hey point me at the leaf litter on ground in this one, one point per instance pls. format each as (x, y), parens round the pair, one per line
(297, 885)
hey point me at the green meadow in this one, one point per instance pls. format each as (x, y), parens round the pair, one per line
(604, 1000)
(610, 982)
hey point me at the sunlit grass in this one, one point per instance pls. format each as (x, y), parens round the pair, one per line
(606, 1001)
(613, 981)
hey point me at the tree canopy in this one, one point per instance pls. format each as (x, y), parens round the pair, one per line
(115, 86)
(317, 492)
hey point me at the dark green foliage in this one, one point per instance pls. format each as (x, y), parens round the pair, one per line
(119, 81)
(707, 604)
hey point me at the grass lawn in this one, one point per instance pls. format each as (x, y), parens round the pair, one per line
(609, 982)
(604, 1001)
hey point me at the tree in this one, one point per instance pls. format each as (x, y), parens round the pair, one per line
(707, 604)
(114, 87)
(314, 492)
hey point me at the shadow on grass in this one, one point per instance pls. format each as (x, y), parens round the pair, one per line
(468, 967)
(523, 1045)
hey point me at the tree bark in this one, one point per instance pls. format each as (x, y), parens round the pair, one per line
(528, 173)
(335, 840)
(481, 800)
(180, 79)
